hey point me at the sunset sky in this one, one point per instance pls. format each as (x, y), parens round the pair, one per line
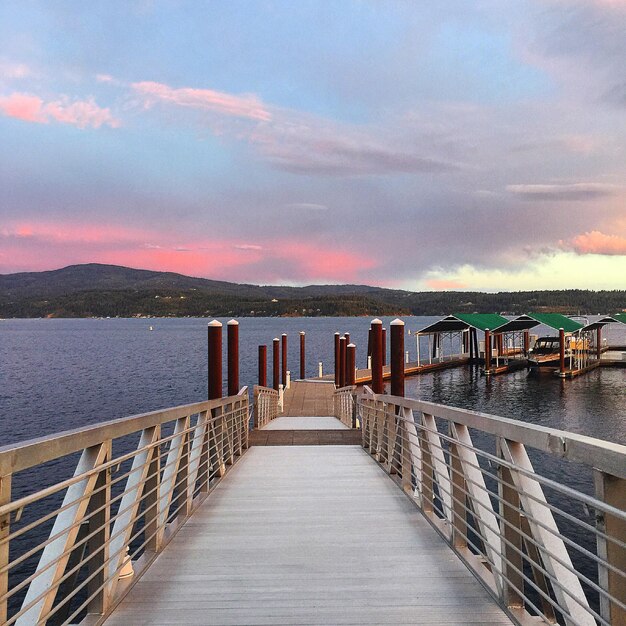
(417, 144)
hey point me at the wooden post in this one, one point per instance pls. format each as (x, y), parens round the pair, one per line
(377, 356)
(302, 356)
(369, 348)
(526, 342)
(347, 336)
(342, 362)
(397, 357)
(215, 359)
(599, 342)
(476, 351)
(384, 340)
(471, 345)
(487, 349)
(561, 351)
(232, 332)
(283, 342)
(336, 359)
(276, 363)
(351, 364)
(263, 366)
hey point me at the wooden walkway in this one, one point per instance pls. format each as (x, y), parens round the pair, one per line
(306, 398)
(307, 535)
(304, 431)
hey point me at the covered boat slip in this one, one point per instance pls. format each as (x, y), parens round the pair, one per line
(307, 535)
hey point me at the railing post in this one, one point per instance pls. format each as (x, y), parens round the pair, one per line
(377, 356)
(337, 359)
(153, 489)
(342, 362)
(283, 342)
(276, 363)
(215, 359)
(397, 360)
(232, 329)
(320, 370)
(263, 366)
(612, 491)
(351, 364)
(459, 494)
(5, 529)
(302, 356)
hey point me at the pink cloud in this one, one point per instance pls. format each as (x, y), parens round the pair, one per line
(443, 284)
(248, 106)
(80, 113)
(595, 242)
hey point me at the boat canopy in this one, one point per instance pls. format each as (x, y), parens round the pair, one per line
(462, 321)
(530, 320)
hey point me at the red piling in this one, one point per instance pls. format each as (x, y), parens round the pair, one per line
(263, 366)
(487, 349)
(397, 357)
(526, 342)
(284, 360)
(384, 340)
(302, 357)
(232, 332)
(336, 359)
(351, 364)
(276, 363)
(215, 359)
(561, 351)
(377, 356)
(342, 362)
(599, 342)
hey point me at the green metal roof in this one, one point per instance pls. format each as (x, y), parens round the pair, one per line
(620, 317)
(462, 321)
(556, 321)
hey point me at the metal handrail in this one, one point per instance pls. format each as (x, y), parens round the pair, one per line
(507, 534)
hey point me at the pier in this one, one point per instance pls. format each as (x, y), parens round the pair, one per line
(341, 505)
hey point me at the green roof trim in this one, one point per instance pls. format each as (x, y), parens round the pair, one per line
(482, 321)
(556, 321)
(620, 317)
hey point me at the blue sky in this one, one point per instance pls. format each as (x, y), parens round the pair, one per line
(447, 145)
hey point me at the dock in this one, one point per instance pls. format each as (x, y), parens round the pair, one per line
(341, 505)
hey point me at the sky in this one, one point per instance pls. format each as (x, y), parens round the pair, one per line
(410, 144)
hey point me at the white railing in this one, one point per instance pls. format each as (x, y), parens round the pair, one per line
(537, 539)
(265, 405)
(68, 549)
(343, 405)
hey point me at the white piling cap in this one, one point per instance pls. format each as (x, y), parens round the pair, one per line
(232, 323)
(276, 339)
(351, 345)
(397, 322)
(215, 323)
(377, 321)
(284, 334)
(302, 332)
(337, 333)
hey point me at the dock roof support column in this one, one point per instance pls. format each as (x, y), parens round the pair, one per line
(336, 359)
(526, 342)
(351, 364)
(284, 363)
(561, 351)
(276, 363)
(377, 356)
(487, 349)
(232, 331)
(599, 342)
(263, 366)
(397, 357)
(302, 356)
(342, 362)
(215, 359)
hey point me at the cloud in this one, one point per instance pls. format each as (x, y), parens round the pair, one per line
(247, 246)
(10, 69)
(104, 78)
(246, 106)
(445, 284)
(80, 113)
(572, 192)
(595, 242)
(307, 206)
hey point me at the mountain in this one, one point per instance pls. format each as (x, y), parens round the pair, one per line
(95, 290)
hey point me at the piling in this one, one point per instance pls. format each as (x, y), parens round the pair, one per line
(384, 340)
(351, 364)
(336, 359)
(599, 342)
(284, 359)
(232, 332)
(342, 362)
(302, 356)
(397, 357)
(214, 349)
(526, 342)
(487, 349)
(276, 363)
(263, 366)
(561, 351)
(369, 347)
(377, 356)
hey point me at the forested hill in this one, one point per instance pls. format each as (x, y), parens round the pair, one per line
(95, 290)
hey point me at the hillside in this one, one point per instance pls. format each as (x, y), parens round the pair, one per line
(95, 290)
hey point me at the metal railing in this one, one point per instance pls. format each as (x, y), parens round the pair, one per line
(547, 541)
(343, 405)
(70, 550)
(265, 405)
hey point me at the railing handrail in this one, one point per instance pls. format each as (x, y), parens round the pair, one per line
(25, 454)
(605, 456)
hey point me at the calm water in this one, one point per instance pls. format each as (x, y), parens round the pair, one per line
(60, 374)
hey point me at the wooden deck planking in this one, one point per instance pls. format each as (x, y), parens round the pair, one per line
(307, 535)
(305, 398)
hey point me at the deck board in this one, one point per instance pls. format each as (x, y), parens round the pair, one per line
(307, 535)
(305, 398)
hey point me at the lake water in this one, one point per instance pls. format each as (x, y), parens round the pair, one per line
(57, 374)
